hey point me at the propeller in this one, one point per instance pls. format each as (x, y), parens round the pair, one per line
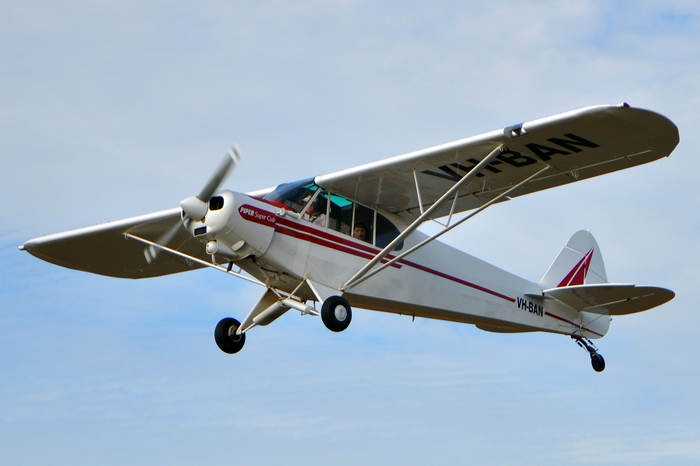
(195, 207)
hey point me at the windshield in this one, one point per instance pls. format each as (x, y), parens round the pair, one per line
(293, 195)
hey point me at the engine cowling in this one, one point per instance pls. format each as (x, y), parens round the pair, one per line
(235, 225)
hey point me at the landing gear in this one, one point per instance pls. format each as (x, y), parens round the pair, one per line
(226, 338)
(597, 360)
(336, 313)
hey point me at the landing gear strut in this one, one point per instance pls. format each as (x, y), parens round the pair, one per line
(226, 338)
(597, 360)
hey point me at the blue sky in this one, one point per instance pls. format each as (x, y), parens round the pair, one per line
(116, 109)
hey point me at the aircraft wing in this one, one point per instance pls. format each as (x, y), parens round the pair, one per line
(576, 145)
(103, 249)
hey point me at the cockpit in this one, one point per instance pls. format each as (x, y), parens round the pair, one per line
(333, 212)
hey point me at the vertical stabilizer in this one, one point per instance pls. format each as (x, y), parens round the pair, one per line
(578, 263)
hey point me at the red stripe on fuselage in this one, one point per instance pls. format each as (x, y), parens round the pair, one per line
(322, 242)
(333, 243)
(362, 246)
(456, 280)
(322, 238)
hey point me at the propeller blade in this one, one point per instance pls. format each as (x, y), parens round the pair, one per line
(151, 252)
(229, 163)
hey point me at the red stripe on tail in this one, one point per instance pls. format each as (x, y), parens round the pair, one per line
(578, 274)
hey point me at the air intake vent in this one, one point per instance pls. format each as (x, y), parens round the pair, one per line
(216, 203)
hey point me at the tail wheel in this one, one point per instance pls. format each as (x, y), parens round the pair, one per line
(597, 362)
(226, 338)
(336, 313)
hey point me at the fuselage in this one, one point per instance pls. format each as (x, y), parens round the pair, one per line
(437, 281)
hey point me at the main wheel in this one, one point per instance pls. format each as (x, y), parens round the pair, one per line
(597, 362)
(336, 313)
(226, 338)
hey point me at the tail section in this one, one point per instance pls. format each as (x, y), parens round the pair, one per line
(577, 294)
(578, 263)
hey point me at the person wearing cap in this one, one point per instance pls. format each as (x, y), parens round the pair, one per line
(360, 231)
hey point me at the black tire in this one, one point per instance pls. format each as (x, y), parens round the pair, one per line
(597, 362)
(336, 313)
(226, 338)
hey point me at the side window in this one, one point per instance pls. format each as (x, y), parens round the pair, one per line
(363, 221)
(386, 232)
(351, 219)
(341, 214)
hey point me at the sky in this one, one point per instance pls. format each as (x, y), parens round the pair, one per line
(114, 109)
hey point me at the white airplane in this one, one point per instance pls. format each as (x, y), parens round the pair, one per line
(351, 238)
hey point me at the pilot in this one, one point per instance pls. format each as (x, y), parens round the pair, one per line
(315, 213)
(360, 231)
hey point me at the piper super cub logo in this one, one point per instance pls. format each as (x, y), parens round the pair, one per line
(256, 215)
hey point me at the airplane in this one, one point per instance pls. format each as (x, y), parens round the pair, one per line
(350, 238)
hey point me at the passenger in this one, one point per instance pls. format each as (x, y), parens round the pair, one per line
(360, 231)
(315, 213)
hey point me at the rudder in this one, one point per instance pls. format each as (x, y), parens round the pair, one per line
(580, 262)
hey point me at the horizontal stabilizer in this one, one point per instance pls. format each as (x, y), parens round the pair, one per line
(613, 299)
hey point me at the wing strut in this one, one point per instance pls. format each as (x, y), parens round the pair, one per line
(357, 279)
(425, 215)
(420, 198)
(218, 267)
